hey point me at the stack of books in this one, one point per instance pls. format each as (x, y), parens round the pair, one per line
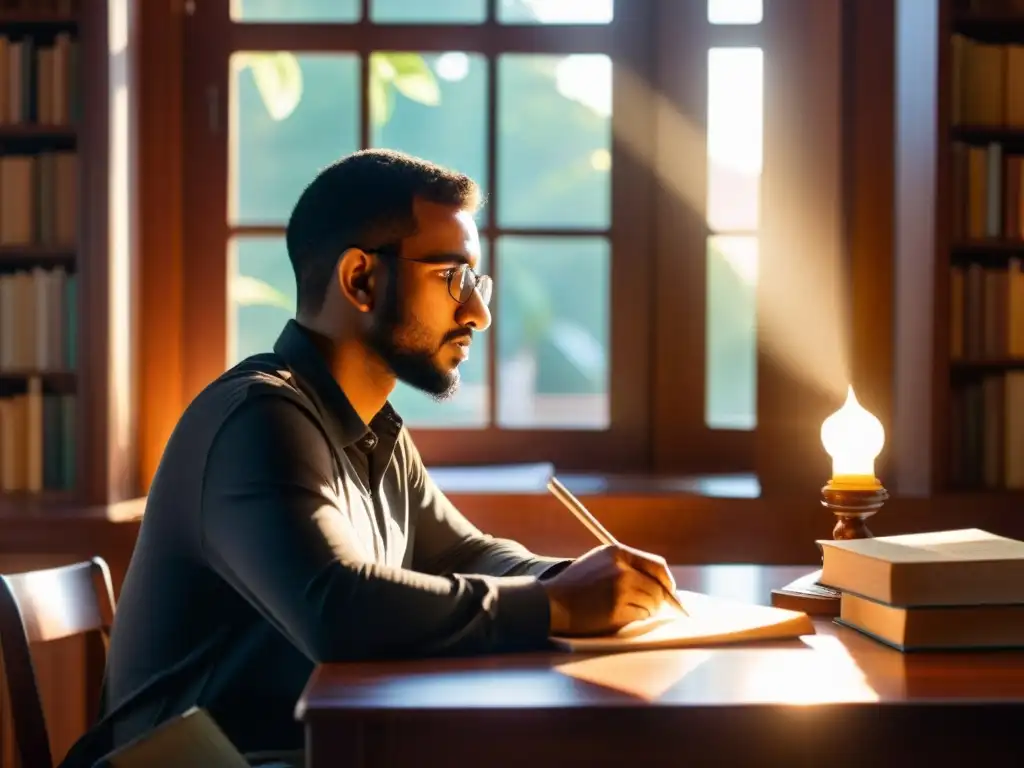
(961, 589)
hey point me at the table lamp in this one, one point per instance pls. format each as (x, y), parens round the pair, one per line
(853, 438)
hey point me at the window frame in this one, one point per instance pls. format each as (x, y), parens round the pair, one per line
(211, 37)
(658, 246)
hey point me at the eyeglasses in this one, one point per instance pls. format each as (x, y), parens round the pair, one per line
(462, 279)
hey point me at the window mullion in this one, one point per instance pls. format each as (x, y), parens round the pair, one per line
(491, 225)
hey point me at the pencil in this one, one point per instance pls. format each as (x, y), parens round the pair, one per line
(592, 524)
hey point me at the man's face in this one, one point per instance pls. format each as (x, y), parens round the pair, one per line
(418, 328)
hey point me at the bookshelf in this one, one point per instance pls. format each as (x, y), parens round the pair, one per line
(981, 243)
(40, 118)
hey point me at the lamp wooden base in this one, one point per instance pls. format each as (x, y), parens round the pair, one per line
(852, 508)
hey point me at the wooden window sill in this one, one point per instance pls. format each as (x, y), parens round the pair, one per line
(688, 520)
(532, 478)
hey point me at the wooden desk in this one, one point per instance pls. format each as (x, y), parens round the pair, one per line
(835, 698)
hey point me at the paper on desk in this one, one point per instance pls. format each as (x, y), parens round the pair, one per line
(712, 621)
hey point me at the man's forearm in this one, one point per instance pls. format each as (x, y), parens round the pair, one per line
(496, 557)
(388, 612)
(352, 611)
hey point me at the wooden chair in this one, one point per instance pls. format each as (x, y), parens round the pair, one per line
(38, 607)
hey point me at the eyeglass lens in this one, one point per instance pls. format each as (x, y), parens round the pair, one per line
(464, 281)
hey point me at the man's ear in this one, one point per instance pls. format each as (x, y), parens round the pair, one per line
(356, 277)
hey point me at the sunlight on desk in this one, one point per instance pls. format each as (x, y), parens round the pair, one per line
(818, 669)
(824, 672)
(646, 675)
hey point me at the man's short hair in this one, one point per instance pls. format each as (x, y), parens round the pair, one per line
(364, 200)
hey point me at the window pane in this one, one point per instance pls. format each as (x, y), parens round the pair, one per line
(261, 294)
(468, 407)
(291, 114)
(734, 138)
(554, 140)
(555, 11)
(432, 106)
(735, 11)
(731, 393)
(434, 12)
(296, 10)
(553, 300)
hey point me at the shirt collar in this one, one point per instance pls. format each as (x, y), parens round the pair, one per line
(296, 347)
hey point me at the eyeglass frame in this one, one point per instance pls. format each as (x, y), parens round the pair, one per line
(392, 250)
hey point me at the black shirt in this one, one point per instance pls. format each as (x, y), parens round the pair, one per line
(280, 532)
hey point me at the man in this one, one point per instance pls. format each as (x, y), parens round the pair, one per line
(291, 520)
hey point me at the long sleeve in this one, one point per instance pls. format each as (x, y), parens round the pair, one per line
(447, 543)
(275, 527)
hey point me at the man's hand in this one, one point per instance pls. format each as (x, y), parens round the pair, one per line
(606, 589)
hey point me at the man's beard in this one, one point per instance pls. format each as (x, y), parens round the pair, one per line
(405, 347)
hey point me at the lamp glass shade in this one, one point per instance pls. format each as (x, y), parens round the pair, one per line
(853, 437)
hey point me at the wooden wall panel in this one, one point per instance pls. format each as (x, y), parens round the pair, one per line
(803, 363)
(868, 187)
(159, 126)
(919, 397)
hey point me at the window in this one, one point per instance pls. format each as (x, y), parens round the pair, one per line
(710, 140)
(735, 128)
(522, 98)
(292, 113)
(734, 141)
(620, 146)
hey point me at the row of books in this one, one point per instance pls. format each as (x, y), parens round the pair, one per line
(958, 589)
(37, 440)
(38, 80)
(987, 311)
(988, 192)
(37, 320)
(39, 199)
(987, 81)
(987, 432)
(38, 206)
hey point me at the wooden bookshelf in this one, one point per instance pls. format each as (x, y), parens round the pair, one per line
(987, 366)
(41, 102)
(36, 18)
(18, 256)
(990, 23)
(993, 247)
(979, 241)
(37, 132)
(985, 134)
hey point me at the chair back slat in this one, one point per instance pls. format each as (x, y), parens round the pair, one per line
(42, 606)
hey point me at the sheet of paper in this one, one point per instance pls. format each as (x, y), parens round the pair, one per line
(711, 621)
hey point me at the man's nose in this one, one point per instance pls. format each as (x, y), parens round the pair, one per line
(474, 313)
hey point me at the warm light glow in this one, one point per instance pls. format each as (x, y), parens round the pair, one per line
(853, 437)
